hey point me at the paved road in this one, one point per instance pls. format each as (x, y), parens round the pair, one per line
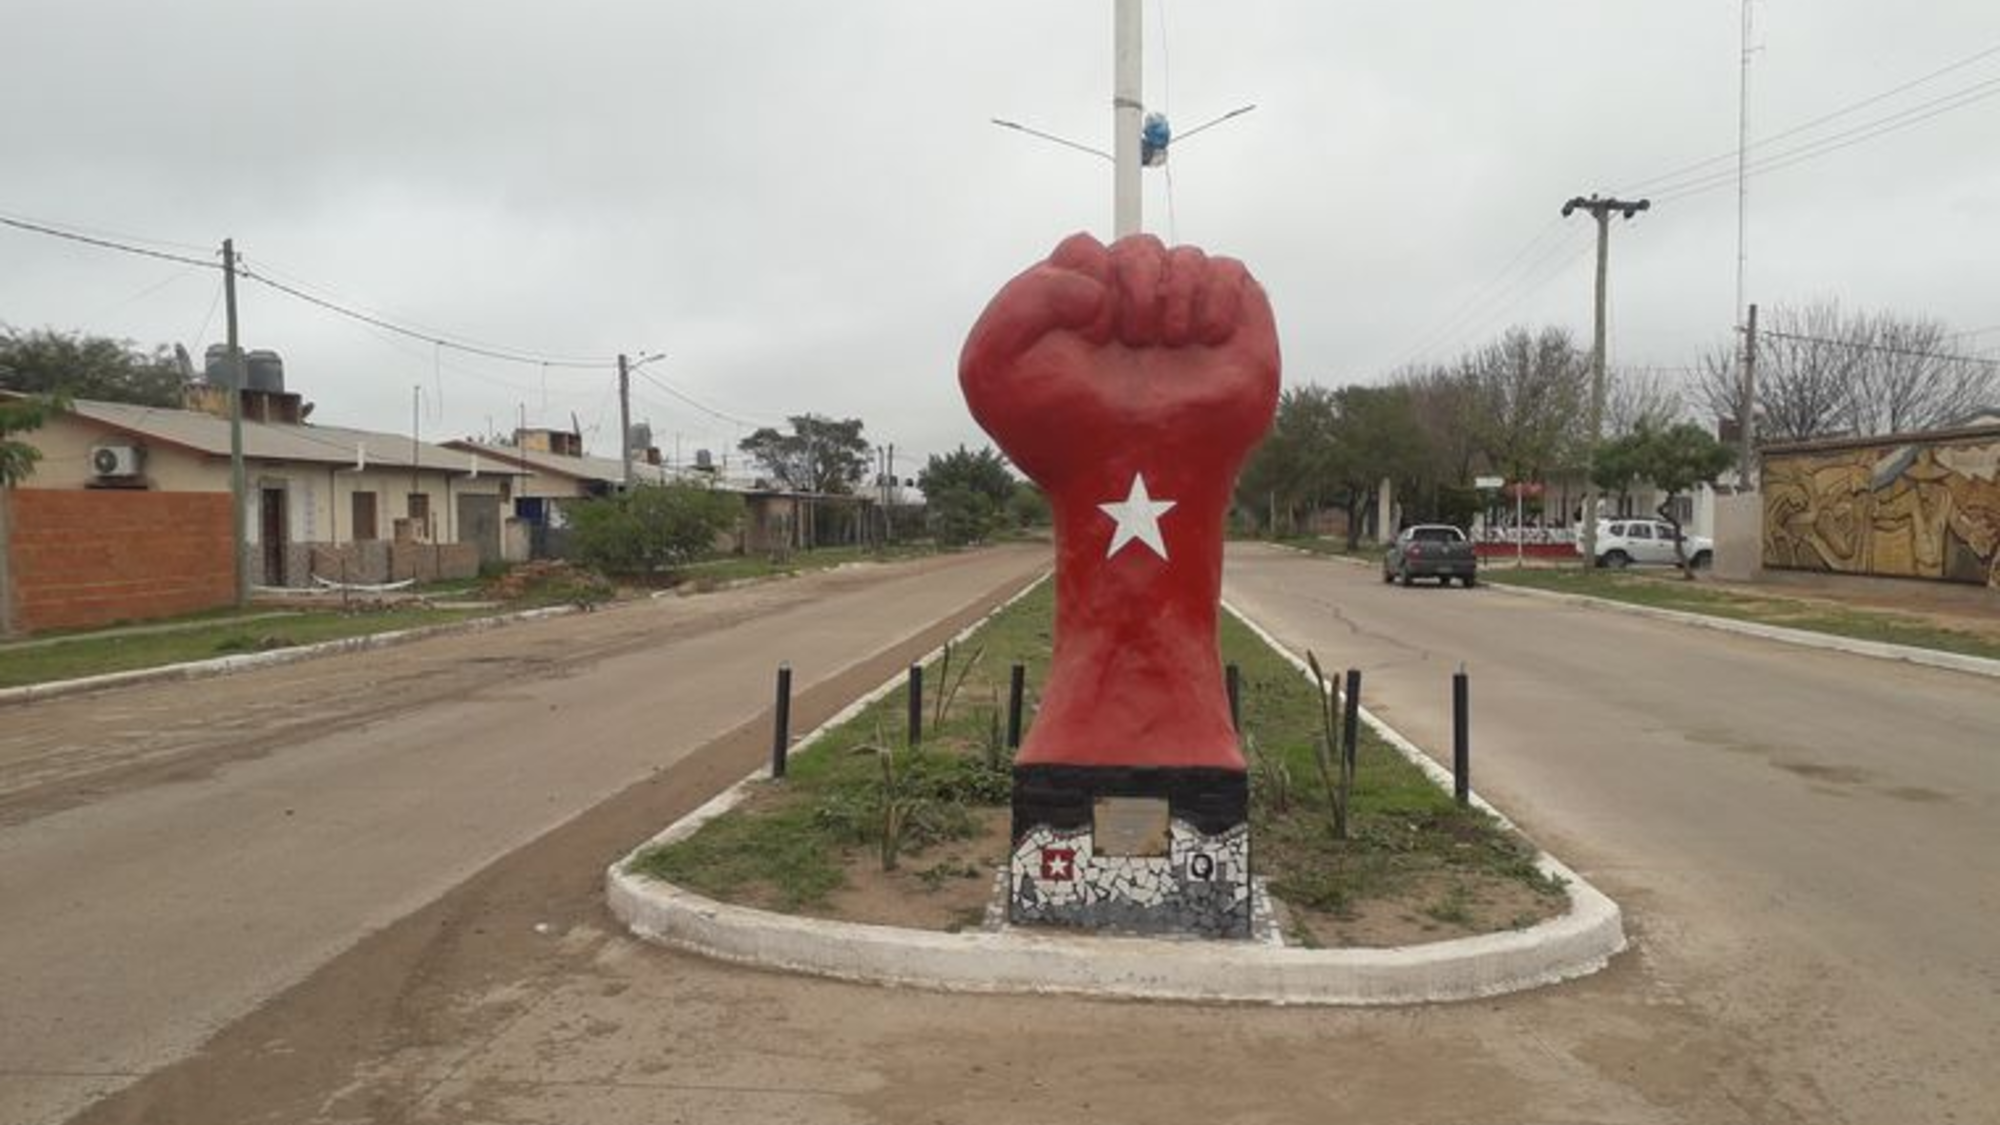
(172, 856)
(1809, 843)
(1812, 915)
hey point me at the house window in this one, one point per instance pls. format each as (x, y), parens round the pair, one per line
(364, 517)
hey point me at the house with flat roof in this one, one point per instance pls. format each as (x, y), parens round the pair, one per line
(127, 513)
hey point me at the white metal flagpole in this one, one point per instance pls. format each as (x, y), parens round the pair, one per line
(1127, 106)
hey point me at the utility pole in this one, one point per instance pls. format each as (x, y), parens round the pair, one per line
(1127, 105)
(624, 421)
(239, 505)
(1746, 411)
(1601, 210)
(416, 452)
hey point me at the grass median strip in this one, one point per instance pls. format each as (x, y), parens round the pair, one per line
(866, 828)
(1669, 591)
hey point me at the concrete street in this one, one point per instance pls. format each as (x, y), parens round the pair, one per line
(1803, 842)
(175, 855)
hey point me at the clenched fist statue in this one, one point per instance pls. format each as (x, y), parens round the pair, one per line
(1130, 382)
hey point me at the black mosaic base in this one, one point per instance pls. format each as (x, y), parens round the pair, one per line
(1200, 887)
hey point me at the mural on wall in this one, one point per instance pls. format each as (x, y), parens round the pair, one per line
(1917, 509)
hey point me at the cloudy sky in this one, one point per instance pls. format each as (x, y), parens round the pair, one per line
(804, 207)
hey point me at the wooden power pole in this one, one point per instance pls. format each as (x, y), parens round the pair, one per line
(1601, 210)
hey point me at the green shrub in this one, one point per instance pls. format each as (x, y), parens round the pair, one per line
(651, 527)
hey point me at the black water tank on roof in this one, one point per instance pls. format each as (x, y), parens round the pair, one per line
(267, 371)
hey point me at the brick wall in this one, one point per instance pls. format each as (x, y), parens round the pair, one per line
(88, 557)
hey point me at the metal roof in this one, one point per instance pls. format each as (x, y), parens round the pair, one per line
(271, 441)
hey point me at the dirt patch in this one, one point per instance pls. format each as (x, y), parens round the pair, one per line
(1438, 906)
(945, 887)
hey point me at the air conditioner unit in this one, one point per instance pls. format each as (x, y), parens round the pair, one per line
(116, 460)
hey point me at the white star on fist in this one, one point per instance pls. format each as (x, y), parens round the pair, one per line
(1138, 518)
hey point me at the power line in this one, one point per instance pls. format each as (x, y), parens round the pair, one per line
(697, 404)
(106, 243)
(1885, 349)
(426, 337)
(429, 334)
(1852, 107)
(1848, 138)
(438, 339)
(1441, 332)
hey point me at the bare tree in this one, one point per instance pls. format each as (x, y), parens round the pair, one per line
(1909, 380)
(1637, 398)
(1822, 370)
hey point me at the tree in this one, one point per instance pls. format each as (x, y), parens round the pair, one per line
(1289, 469)
(92, 367)
(1331, 446)
(18, 416)
(1028, 507)
(1531, 394)
(1375, 436)
(966, 494)
(1636, 397)
(819, 455)
(1822, 370)
(651, 527)
(1674, 459)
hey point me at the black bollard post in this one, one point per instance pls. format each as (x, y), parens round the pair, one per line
(1232, 678)
(1461, 737)
(916, 704)
(781, 724)
(1350, 733)
(1017, 686)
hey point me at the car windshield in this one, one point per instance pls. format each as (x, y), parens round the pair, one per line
(1434, 534)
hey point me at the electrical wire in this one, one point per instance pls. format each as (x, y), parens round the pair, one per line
(106, 243)
(1643, 186)
(507, 356)
(1848, 138)
(697, 404)
(1480, 295)
(180, 272)
(1885, 349)
(263, 276)
(428, 333)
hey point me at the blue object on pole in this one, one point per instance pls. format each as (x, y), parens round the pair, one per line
(1154, 137)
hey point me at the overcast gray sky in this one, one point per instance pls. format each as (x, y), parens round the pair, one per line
(803, 205)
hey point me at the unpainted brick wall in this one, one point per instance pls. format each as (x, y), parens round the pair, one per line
(92, 557)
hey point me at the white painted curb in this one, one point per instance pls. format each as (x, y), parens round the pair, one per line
(1578, 943)
(1879, 650)
(226, 665)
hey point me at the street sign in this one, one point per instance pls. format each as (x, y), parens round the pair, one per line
(1488, 482)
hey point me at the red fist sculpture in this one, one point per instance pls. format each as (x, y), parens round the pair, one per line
(1130, 383)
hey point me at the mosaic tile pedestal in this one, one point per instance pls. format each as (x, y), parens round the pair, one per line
(1131, 850)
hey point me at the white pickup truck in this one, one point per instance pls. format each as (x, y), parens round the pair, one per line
(1623, 543)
